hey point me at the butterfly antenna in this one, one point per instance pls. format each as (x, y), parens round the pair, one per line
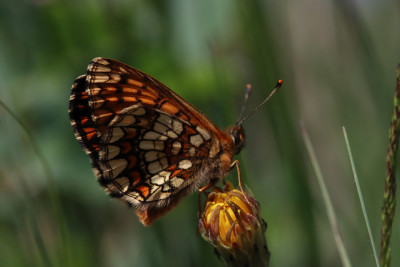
(246, 97)
(277, 87)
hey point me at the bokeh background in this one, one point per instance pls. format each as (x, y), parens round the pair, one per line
(337, 60)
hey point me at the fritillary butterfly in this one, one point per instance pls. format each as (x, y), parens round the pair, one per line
(148, 146)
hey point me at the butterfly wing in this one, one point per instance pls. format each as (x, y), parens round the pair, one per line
(148, 146)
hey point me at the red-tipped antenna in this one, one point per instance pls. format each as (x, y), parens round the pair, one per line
(277, 87)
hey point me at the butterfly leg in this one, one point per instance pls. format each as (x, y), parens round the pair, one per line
(201, 190)
(236, 162)
(204, 188)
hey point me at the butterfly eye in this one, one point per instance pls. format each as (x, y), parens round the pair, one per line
(237, 134)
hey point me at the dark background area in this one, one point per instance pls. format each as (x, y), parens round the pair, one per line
(337, 60)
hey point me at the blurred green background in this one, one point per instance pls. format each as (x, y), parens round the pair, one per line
(337, 60)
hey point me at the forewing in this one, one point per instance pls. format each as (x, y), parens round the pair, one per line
(147, 144)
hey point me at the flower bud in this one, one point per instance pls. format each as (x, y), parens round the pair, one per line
(231, 222)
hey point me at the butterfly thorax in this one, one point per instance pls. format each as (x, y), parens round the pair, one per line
(222, 152)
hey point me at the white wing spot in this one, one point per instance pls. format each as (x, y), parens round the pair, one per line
(192, 151)
(158, 180)
(176, 147)
(100, 60)
(203, 133)
(103, 78)
(165, 119)
(153, 155)
(185, 164)
(166, 187)
(164, 163)
(94, 90)
(123, 70)
(161, 178)
(122, 183)
(139, 112)
(159, 145)
(155, 192)
(177, 126)
(172, 134)
(146, 145)
(176, 181)
(124, 120)
(214, 150)
(166, 174)
(157, 166)
(111, 152)
(154, 167)
(114, 134)
(100, 68)
(150, 135)
(134, 197)
(96, 78)
(116, 167)
(196, 140)
(151, 145)
(96, 101)
(158, 127)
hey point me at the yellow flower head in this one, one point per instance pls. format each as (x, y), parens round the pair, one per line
(231, 222)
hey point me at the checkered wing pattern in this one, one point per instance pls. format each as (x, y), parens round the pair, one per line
(148, 146)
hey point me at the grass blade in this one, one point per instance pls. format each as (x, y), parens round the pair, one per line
(327, 200)
(53, 193)
(360, 195)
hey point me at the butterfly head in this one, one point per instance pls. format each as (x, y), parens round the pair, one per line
(237, 134)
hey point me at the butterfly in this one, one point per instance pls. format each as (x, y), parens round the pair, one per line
(148, 146)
